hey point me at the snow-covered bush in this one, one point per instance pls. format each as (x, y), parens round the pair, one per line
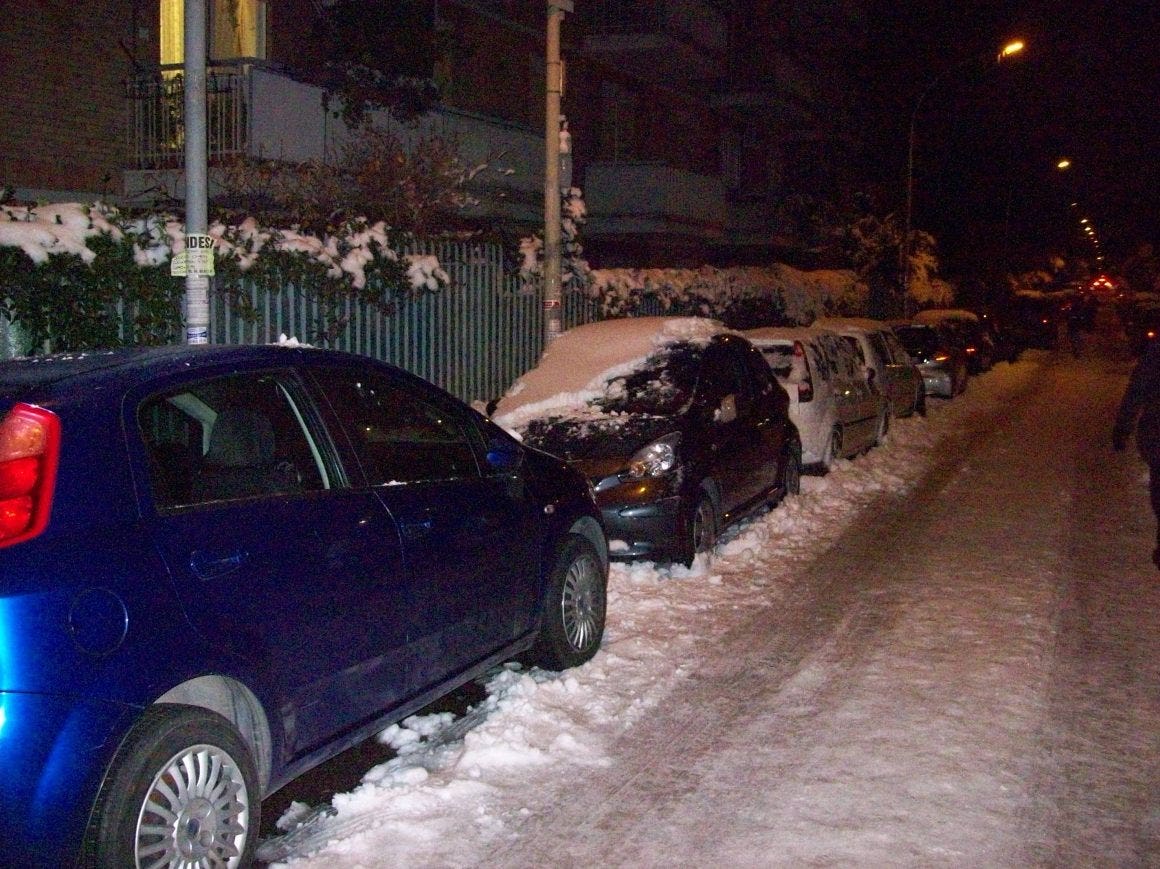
(742, 297)
(65, 269)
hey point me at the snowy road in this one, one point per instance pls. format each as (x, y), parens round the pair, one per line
(944, 653)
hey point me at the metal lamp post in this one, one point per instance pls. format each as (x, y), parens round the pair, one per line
(553, 300)
(904, 249)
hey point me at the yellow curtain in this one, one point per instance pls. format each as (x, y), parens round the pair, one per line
(172, 31)
(237, 29)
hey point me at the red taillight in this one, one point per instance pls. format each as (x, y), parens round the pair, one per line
(29, 449)
(806, 387)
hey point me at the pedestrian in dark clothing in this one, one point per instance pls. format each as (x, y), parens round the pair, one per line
(1080, 317)
(1140, 410)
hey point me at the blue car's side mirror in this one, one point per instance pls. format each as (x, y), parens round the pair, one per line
(503, 455)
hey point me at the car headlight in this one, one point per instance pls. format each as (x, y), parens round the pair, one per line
(655, 459)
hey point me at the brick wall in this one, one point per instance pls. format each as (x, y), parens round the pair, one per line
(62, 71)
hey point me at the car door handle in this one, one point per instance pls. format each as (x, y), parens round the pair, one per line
(207, 565)
(418, 527)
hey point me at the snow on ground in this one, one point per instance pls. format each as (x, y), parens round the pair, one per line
(945, 707)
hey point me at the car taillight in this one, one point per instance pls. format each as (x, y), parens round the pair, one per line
(806, 387)
(29, 450)
(942, 357)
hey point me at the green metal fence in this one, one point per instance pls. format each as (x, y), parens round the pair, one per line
(473, 338)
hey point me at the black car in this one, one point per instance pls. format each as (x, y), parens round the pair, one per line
(1142, 324)
(679, 442)
(1033, 321)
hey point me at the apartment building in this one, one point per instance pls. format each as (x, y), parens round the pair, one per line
(691, 120)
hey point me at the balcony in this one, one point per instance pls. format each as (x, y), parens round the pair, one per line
(671, 40)
(641, 198)
(258, 112)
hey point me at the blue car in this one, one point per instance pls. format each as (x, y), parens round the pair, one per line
(222, 566)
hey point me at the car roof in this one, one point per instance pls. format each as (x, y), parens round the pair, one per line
(773, 334)
(130, 364)
(933, 315)
(839, 324)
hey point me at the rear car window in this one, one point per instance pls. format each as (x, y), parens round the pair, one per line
(229, 438)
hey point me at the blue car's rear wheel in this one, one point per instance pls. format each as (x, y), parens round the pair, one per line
(183, 792)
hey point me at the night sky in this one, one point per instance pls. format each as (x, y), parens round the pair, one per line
(988, 134)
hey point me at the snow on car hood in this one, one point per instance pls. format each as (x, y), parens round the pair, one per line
(579, 363)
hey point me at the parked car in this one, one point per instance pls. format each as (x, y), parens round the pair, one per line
(939, 355)
(1142, 322)
(1034, 320)
(221, 566)
(1003, 337)
(678, 424)
(976, 341)
(882, 353)
(837, 410)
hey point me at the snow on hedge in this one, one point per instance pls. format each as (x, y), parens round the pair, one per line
(41, 231)
(805, 295)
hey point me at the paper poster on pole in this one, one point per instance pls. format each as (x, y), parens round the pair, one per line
(196, 259)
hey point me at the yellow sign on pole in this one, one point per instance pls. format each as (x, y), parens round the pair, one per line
(196, 259)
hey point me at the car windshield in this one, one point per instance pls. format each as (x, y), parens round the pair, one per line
(663, 385)
(918, 340)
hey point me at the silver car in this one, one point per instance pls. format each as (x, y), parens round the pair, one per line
(883, 354)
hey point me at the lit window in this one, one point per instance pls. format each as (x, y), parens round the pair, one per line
(237, 29)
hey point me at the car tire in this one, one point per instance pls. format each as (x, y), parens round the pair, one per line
(575, 603)
(791, 472)
(883, 428)
(700, 529)
(833, 449)
(194, 765)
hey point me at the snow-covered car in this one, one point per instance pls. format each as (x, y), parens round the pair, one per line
(939, 355)
(838, 411)
(222, 566)
(677, 422)
(882, 353)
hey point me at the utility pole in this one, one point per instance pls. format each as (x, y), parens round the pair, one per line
(196, 173)
(552, 228)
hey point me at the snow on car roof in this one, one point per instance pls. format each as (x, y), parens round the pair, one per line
(773, 334)
(577, 364)
(935, 315)
(837, 324)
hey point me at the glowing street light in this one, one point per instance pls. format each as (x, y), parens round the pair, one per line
(1011, 48)
(1008, 50)
(1063, 164)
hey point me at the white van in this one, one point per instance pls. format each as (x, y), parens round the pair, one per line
(839, 412)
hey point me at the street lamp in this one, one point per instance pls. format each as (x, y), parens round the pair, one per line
(1011, 48)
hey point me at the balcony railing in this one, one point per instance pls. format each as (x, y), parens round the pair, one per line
(671, 39)
(156, 107)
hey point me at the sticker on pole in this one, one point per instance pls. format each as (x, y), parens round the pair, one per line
(196, 260)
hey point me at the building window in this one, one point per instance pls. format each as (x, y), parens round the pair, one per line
(236, 29)
(619, 119)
